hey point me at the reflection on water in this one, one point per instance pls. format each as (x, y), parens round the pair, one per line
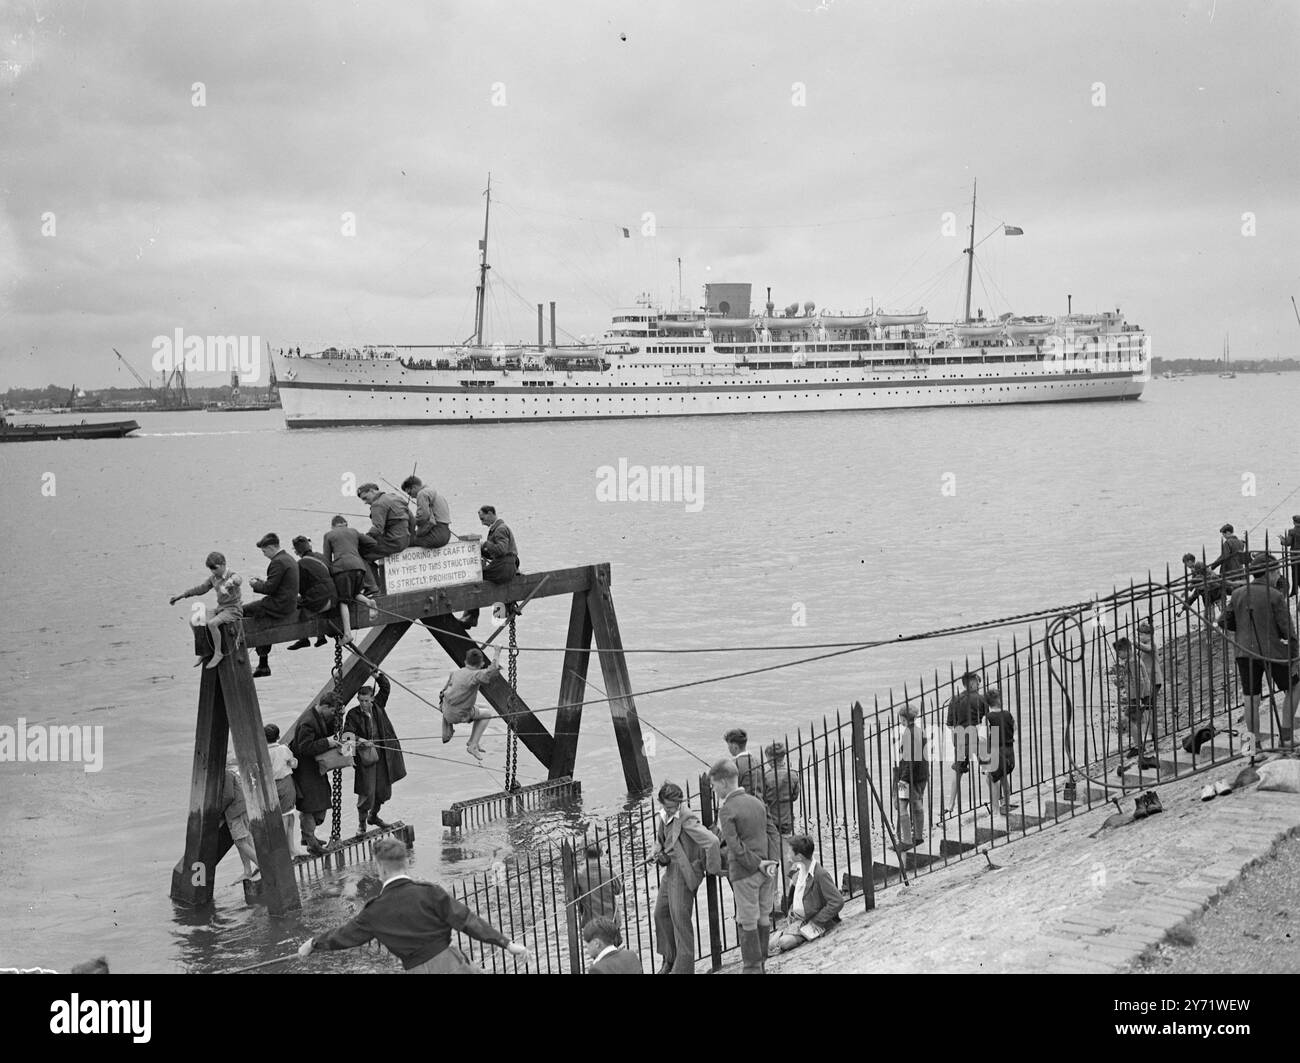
(816, 528)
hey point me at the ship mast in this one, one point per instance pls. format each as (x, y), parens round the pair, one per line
(970, 251)
(481, 292)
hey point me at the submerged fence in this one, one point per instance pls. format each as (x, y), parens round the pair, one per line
(1077, 711)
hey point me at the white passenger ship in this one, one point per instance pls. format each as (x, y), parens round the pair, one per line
(723, 359)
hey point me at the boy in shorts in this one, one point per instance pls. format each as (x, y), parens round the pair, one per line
(229, 606)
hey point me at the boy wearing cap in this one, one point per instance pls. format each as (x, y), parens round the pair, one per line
(229, 607)
(279, 590)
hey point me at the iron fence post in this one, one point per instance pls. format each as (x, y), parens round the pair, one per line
(711, 881)
(864, 805)
(569, 869)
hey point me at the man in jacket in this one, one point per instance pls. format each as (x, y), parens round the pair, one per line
(1291, 540)
(500, 556)
(315, 586)
(965, 713)
(686, 852)
(432, 522)
(598, 889)
(280, 591)
(1265, 641)
(604, 943)
(414, 921)
(1231, 561)
(390, 523)
(373, 783)
(779, 791)
(311, 735)
(742, 823)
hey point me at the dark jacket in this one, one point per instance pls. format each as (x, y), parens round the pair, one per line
(500, 543)
(377, 727)
(315, 584)
(1260, 621)
(623, 961)
(390, 524)
(413, 920)
(742, 823)
(692, 851)
(822, 899)
(596, 889)
(1232, 556)
(311, 735)
(780, 791)
(967, 710)
(343, 548)
(280, 587)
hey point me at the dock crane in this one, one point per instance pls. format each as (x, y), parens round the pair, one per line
(138, 378)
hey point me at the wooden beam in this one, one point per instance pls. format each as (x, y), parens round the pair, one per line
(377, 645)
(279, 886)
(531, 731)
(195, 873)
(573, 683)
(417, 605)
(618, 686)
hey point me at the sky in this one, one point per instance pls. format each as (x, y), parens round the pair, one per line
(329, 188)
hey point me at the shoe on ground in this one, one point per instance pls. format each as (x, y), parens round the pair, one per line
(1149, 763)
(1207, 792)
(301, 644)
(1120, 770)
(375, 821)
(320, 641)
(314, 846)
(1132, 751)
(1221, 788)
(261, 671)
(1153, 804)
(1140, 809)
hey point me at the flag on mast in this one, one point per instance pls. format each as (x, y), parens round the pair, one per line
(1012, 230)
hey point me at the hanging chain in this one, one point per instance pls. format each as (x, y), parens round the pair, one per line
(512, 742)
(336, 783)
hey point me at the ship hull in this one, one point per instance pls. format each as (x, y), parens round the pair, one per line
(316, 393)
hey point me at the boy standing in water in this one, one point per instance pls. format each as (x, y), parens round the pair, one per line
(229, 606)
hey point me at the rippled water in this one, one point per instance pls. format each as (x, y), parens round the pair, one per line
(840, 519)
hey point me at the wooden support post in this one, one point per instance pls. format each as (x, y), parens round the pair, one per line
(618, 686)
(244, 716)
(573, 683)
(377, 645)
(707, 815)
(193, 877)
(862, 793)
(531, 731)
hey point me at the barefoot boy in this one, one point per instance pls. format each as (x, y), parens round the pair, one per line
(229, 606)
(459, 699)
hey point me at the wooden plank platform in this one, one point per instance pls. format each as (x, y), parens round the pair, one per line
(427, 602)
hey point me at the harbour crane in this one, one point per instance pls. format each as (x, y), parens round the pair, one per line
(139, 379)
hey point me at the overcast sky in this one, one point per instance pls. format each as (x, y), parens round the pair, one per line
(227, 218)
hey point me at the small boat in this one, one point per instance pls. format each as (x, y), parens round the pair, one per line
(241, 407)
(1227, 373)
(26, 433)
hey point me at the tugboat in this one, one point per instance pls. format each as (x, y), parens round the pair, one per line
(27, 433)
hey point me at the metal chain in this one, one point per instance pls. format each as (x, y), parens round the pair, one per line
(336, 783)
(512, 743)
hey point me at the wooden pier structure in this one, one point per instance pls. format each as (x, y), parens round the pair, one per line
(228, 708)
